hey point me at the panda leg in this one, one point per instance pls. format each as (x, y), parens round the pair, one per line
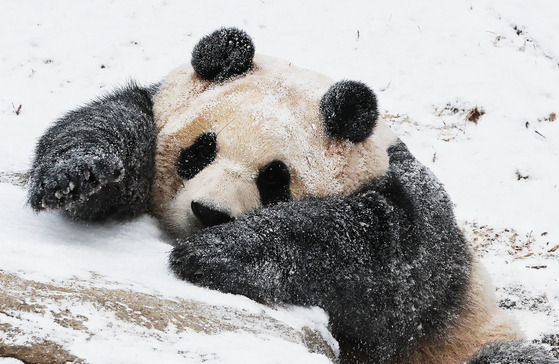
(97, 161)
(512, 353)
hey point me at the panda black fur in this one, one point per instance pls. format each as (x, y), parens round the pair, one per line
(98, 161)
(377, 246)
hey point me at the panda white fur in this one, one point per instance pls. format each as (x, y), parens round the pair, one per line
(286, 187)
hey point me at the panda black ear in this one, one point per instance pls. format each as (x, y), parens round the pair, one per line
(223, 54)
(349, 111)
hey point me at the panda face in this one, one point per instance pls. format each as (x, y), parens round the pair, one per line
(227, 149)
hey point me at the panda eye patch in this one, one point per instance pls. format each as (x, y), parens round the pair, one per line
(273, 183)
(198, 156)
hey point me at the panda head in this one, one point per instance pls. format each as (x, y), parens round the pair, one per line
(237, 132)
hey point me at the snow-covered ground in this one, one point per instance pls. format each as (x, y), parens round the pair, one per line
(432, 64)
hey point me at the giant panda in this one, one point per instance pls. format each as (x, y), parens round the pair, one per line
(282, 185)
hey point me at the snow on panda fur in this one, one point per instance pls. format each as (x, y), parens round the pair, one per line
(286, 187)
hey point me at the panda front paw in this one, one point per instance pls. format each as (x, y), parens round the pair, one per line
(219, 258)
(202, 259)
(72, 180)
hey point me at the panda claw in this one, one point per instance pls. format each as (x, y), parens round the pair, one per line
(58, 194)
(71, 186)
(87, 175)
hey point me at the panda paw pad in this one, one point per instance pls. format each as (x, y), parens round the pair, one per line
(65, 182)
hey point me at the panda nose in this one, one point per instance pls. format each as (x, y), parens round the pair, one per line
(210, 216)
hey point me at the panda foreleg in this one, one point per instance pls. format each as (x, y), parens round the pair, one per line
(354, 256)
(512, 352)
(97, 161)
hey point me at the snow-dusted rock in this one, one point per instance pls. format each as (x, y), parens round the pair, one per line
(78, 322)
(98, 294)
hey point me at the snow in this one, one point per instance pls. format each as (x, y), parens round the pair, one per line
(425, 60)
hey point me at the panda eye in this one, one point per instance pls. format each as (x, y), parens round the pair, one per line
(273, 183)
(198, 156)
(274, 173)
(205, 153)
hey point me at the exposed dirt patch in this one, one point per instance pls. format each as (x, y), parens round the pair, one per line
(481, 237)
(462, 110)
(446, 130)
(552, 340)
(516, 297)
(450, 120)
(15, 178)
(517, 248)
(474, 114)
